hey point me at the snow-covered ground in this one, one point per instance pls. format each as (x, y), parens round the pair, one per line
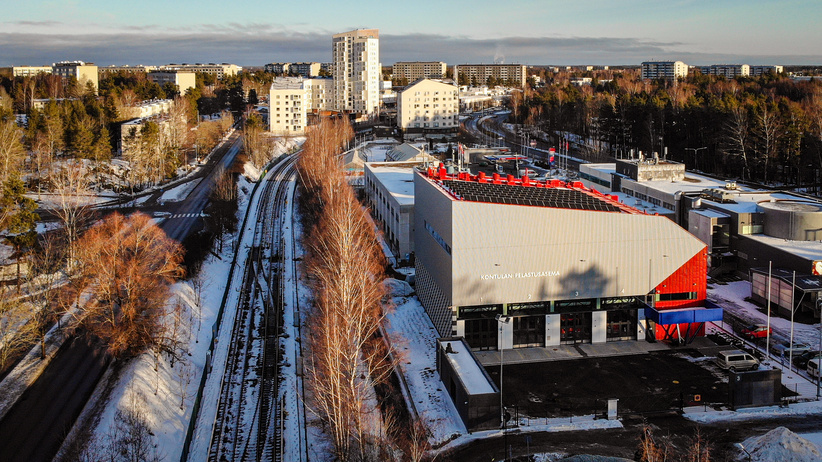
(164, 392)
(179, 192)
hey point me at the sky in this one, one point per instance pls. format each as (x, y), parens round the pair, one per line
(534, 32)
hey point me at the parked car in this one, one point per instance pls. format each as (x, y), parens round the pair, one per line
(736, 360)
(785, 348)
(801, 361)
(756, 331)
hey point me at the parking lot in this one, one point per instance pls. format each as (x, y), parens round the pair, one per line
(655, 382)
(646, 383)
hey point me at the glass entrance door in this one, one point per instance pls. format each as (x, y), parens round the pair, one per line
(575, 328)
(529, 331)
(481, 334)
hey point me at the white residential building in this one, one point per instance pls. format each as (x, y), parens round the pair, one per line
(83, 72)
(304, 69)
(416, 70)
(220, 70)
(184, 80)
(756, 71)
(515, 74)
(29, 71)
(357, 71)
(428, 105)
(668, 70)
(729, 71)
(292, 100)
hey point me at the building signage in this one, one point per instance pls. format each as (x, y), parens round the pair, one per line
(530, 274)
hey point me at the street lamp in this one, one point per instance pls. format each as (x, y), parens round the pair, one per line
(696, 150)
(501, 319)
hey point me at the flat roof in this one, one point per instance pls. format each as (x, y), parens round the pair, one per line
(711, 213)
(467, 368)
(811, 250)
(498, 189)
(557, 197)
(746, 198)
(806, 282)
(398, 180)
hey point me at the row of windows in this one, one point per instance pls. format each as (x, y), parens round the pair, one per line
(651, 199)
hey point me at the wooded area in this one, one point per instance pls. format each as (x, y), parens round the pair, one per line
(765, 129)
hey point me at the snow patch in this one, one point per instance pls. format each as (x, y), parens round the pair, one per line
(783, 445)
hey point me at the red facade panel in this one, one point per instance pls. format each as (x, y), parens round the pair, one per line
(690, 277)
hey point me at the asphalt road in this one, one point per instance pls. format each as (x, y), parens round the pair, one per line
(36, 426)
(184, 215)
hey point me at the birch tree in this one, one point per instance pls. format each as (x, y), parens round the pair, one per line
(71, 188)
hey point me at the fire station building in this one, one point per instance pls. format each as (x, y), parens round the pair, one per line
(559, 262)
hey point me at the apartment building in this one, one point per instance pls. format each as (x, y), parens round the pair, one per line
(127, 68)
(293, 99)
(756, 71)
(184, 80)
(220, 70)
(29, 71)
(413, 71)
(667, 70)
(428, 105)
(357, 71)
(303, 69)
(83, 72)
(513, 73)
(729, 71)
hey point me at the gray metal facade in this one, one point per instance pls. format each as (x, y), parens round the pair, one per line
(480, 253)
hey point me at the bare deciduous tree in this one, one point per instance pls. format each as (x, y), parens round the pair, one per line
(346, 264)
(18, 329)
(71, 186)
(12, 152)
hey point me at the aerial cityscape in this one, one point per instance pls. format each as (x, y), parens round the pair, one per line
(508, 232)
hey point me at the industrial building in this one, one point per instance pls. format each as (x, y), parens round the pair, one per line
(745, 230)
(565, 263)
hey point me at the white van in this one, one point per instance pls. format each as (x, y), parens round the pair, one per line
(736, 360)
(813, 367)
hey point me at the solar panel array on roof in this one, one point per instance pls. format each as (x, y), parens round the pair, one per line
(520, 195)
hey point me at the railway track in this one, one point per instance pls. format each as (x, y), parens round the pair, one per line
(246, 425)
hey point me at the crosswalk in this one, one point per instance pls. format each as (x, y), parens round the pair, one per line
(184, 215)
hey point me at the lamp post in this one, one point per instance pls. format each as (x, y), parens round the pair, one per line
(502, 319)
(696, 150)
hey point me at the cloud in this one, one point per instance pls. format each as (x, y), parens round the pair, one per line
(33, 23)
(259, 43)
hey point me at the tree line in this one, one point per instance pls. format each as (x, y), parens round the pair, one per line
(345, 265)
(766, 128)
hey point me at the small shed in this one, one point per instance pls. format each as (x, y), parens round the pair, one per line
(475, 396)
